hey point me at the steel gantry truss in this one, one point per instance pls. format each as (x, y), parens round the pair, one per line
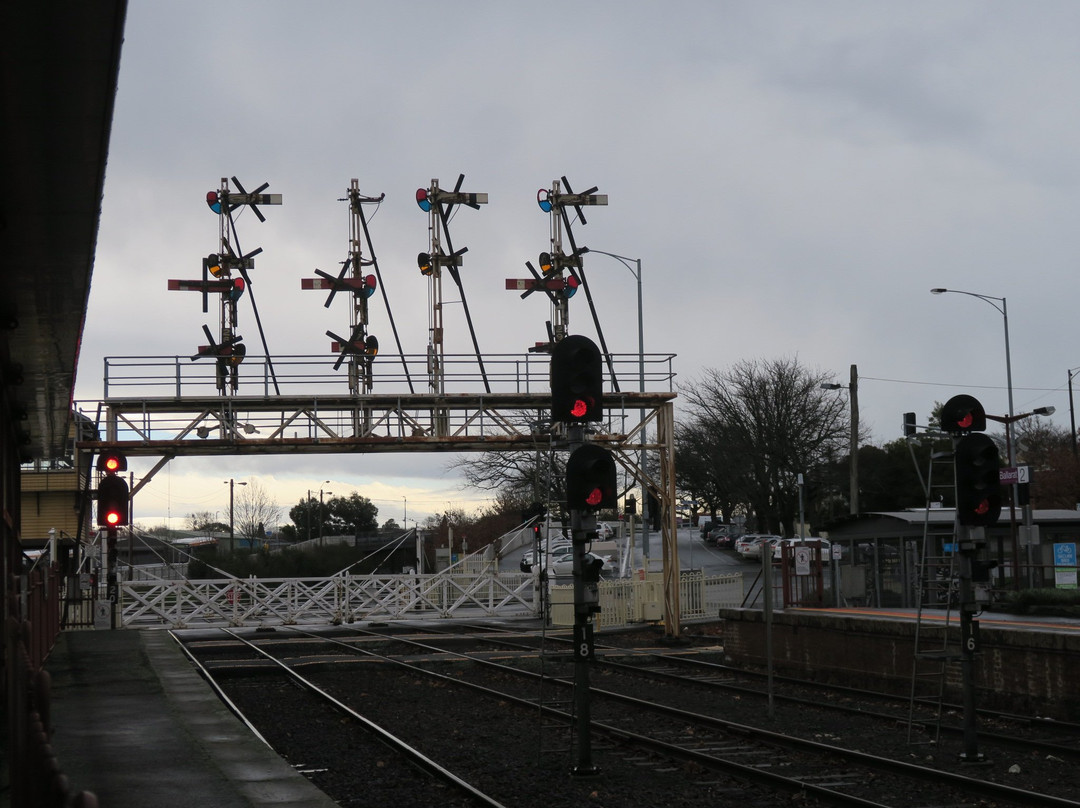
(198, 424)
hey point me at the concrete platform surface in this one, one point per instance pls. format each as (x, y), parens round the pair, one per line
(136, 724)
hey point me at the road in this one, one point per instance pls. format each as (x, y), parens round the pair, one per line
(693, 554)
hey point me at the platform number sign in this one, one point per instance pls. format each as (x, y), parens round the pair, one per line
(970, 639)
(583, 642)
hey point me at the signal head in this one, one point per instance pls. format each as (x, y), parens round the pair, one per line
(423, 200)
(577, 381)
(111, 462)
(423, 260)
(963, 413)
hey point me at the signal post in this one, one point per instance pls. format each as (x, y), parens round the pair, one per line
(113, 511)
(978, 506)
(577, 399)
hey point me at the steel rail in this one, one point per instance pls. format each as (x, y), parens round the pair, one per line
(891, 765)
(391, 740)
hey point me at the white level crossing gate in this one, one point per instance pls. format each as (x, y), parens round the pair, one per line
(341, 599)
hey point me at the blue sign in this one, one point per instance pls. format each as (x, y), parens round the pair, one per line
(1065, 554)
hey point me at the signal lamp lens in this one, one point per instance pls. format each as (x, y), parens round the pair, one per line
(965, 422)
(579, 409)
(213, 263)
(545, 263)
(112, 517)
(422, 199)
(111, 464)
(594, 497)
(543, 201)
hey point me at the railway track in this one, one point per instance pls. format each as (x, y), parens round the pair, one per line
(645, 738)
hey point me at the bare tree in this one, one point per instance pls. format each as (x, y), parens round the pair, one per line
(255, 511)
(771, 421)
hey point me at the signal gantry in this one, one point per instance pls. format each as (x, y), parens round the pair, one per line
(557, 201)
(439, 204)
(361, 347)
(228, 350)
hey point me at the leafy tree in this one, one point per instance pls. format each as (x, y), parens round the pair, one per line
(772, 421)
(339, 516)
(351, 516)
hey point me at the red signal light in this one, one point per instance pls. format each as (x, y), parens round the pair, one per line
(966, 421)
(579, 409)
(112, 518)
(111, 463)
(594, 497)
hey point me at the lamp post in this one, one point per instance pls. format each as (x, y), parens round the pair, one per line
(1072, 412)
(853, 398)
(321, 492)
(1003, 309)
(634, 265)
(232, 539)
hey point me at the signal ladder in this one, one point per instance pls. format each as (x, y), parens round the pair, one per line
(936, 583)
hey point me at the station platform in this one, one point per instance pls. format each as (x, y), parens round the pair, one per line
(135, 724)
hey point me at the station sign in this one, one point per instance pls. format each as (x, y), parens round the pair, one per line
(1014, 475)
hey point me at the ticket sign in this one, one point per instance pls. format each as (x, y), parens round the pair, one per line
(1065, 565)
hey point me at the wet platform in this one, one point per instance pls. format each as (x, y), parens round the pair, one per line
(135, 724)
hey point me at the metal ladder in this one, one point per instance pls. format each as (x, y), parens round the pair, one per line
(935, 586)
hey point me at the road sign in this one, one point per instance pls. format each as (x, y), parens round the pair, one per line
(1065, 554)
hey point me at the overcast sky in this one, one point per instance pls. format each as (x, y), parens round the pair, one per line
(794, 177)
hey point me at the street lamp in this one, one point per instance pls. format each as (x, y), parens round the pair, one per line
(853, 397)
(1072, 412)
(1008, 420)
(634, 265)
(1004, 310)
(321, 492)
(232, 540)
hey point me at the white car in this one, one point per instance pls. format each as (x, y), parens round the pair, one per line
(814, 543)
(749, 546)
(563, 566)
(604, 531)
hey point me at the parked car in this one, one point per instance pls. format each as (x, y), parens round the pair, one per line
(604, 531)
(562, 566)
(721, 536)
(749, 546)
(527, 561)
(824, 546)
